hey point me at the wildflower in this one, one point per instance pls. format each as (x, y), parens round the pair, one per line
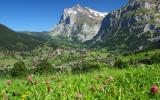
(9, 82)
(29, 78)
(102, 88)
(110, 78)
(98, 77)
(78, 95)
(48, 82)
(25, 95)
(49, 89)
(154, 89)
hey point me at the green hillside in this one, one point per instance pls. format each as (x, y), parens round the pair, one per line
(12, 40)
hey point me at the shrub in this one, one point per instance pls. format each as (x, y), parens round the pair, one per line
(62, 69)
(43, 66)
(120, 64)
(145, 61)
(86, 66)
(19, 69)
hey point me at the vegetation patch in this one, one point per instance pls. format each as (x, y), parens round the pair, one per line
(85, 66)
(43, 66)
(120, 64)
(19, 69)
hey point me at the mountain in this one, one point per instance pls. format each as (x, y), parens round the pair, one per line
(136, 26)
(12, 40)
(80, 23)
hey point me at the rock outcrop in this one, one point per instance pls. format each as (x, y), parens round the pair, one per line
(135, 26)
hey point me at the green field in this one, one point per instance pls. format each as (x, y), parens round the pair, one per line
(127, 84)
(108, 83)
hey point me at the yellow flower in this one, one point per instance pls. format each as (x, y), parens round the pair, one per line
(25, 95)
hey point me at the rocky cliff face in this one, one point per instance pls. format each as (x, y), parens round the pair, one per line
(135, 26)
(78, 22)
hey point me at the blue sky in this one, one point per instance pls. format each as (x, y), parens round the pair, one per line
(42, 15)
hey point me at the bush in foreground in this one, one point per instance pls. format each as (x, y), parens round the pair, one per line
(19, 69)
(120, 64)
(43, 66)
(86, 66)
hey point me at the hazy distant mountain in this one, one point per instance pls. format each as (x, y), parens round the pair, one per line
(12, 40)
(81, 23)
(42, 36)
(135, 26)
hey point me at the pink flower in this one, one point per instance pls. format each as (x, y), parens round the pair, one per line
(48, 82)
(110, 78)
(9, 82)
(78, 95)
(154, 89)
(29, 78)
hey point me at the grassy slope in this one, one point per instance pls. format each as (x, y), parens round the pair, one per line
(9, 38)
(141, 55)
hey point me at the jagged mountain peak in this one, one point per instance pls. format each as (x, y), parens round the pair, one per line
(79, 22)
(84, 10)
(77, 6)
